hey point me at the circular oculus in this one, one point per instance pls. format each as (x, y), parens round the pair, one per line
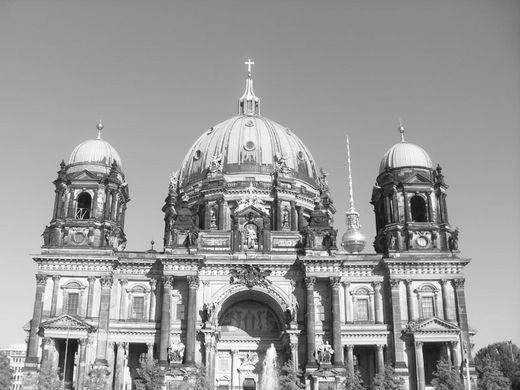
(250, 145)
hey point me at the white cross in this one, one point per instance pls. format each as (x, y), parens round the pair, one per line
(249, 63)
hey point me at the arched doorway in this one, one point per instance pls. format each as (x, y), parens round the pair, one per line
(249, 322)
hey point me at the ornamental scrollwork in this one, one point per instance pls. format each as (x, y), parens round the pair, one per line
(250, 276)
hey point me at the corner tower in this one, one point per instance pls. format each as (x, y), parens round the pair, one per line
(90, 201)
(409, 200)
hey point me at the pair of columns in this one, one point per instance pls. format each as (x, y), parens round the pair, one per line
(451, 350)
(311, 320)
(380, 358)
(191, 319)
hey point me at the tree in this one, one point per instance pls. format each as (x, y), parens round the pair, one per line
(195, 379)
(48, 378)
(151, 376)
(353, 381)
(507, 357)
(98, 379)
(447, 377)
(6, 373)
(290, 378)
(490, 377)
(388, 380)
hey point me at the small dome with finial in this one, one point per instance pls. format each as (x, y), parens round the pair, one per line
(405, 154)
(95, 155)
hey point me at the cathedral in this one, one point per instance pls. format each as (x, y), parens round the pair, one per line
(250, 261)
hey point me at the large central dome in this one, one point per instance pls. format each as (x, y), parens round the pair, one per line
(248, 144)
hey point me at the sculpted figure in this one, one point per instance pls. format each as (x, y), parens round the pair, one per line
(176, 351)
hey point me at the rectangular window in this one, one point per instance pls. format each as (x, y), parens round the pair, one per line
(72, 304)
(138, 308)
(362, 309)
(427, 307)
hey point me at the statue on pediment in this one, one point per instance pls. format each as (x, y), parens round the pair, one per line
(176, 351)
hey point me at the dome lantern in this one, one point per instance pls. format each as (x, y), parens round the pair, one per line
(249, 104)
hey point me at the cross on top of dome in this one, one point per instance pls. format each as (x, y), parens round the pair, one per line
(249, 104)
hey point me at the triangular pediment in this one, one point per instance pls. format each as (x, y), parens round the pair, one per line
(66, 321)
(83, 175)
(251, 209)
(433, 325)
(416, 178)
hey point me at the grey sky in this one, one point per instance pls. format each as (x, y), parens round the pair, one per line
(162, 72)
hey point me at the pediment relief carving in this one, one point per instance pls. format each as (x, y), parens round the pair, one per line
(431, 325)
(67, 322)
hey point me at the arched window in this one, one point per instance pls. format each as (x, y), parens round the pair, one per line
(138, 303)
(83, 206)
(418, 208)
(427, 301)
(362, 305)
(72, 298)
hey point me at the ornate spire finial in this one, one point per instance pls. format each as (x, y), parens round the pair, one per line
(249, 104)
(99, 126)
(401, 130)
(351, 193)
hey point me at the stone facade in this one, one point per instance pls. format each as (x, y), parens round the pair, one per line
(250, 259)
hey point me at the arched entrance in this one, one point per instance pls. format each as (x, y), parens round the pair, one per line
(249, 321)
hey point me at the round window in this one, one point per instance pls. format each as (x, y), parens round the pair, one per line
(197, 154)
(250, 145)
(300, 155)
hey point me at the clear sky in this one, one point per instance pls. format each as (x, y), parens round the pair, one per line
(162, 72)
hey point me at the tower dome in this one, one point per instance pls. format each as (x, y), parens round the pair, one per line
(405, 154)
(96, 155)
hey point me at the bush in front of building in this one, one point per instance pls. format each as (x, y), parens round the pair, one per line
(447, 377)
(388, 380)
(6, 374)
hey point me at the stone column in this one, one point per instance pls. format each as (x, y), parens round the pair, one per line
(113, 205)
(120, 365)
(380, 359)
(153, 286)
(378, 302)
(419, 365)
(455, 355)
(311, 319)
(409, 301)
(123, 301)
(149, 353)
(294, 355)
(55, 291)
(462, 315)
(294, 216)
(445, 300)
(165, 320)
(350, 358)
(31, 362)
(48, 351)
(193, 284)
(348, 303)
(397, 324)
(211, 352)
(372, 308)
(82, 364)
(103, 321)
(70, 212)
(336, 321)
(90, 296)
(108, 201)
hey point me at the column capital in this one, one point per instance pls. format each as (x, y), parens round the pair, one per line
(83, 342)
(168, 281)
(444, 282)
(123, 281)
(193, 281)
(150, 345)
(153, 284)
(106, 281)
(334, 281)
(376, 284)
(294, 347)
(205, 282)
(309, 282)
(41, 279)
(459, 282)
(48, 341)
(91, 279)
(418, 344)
(346, 284)
(56, 278)
(121, 345)
(380, 346)
(454, 343)
(350, 347)
(395, 283)
(408, 282)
